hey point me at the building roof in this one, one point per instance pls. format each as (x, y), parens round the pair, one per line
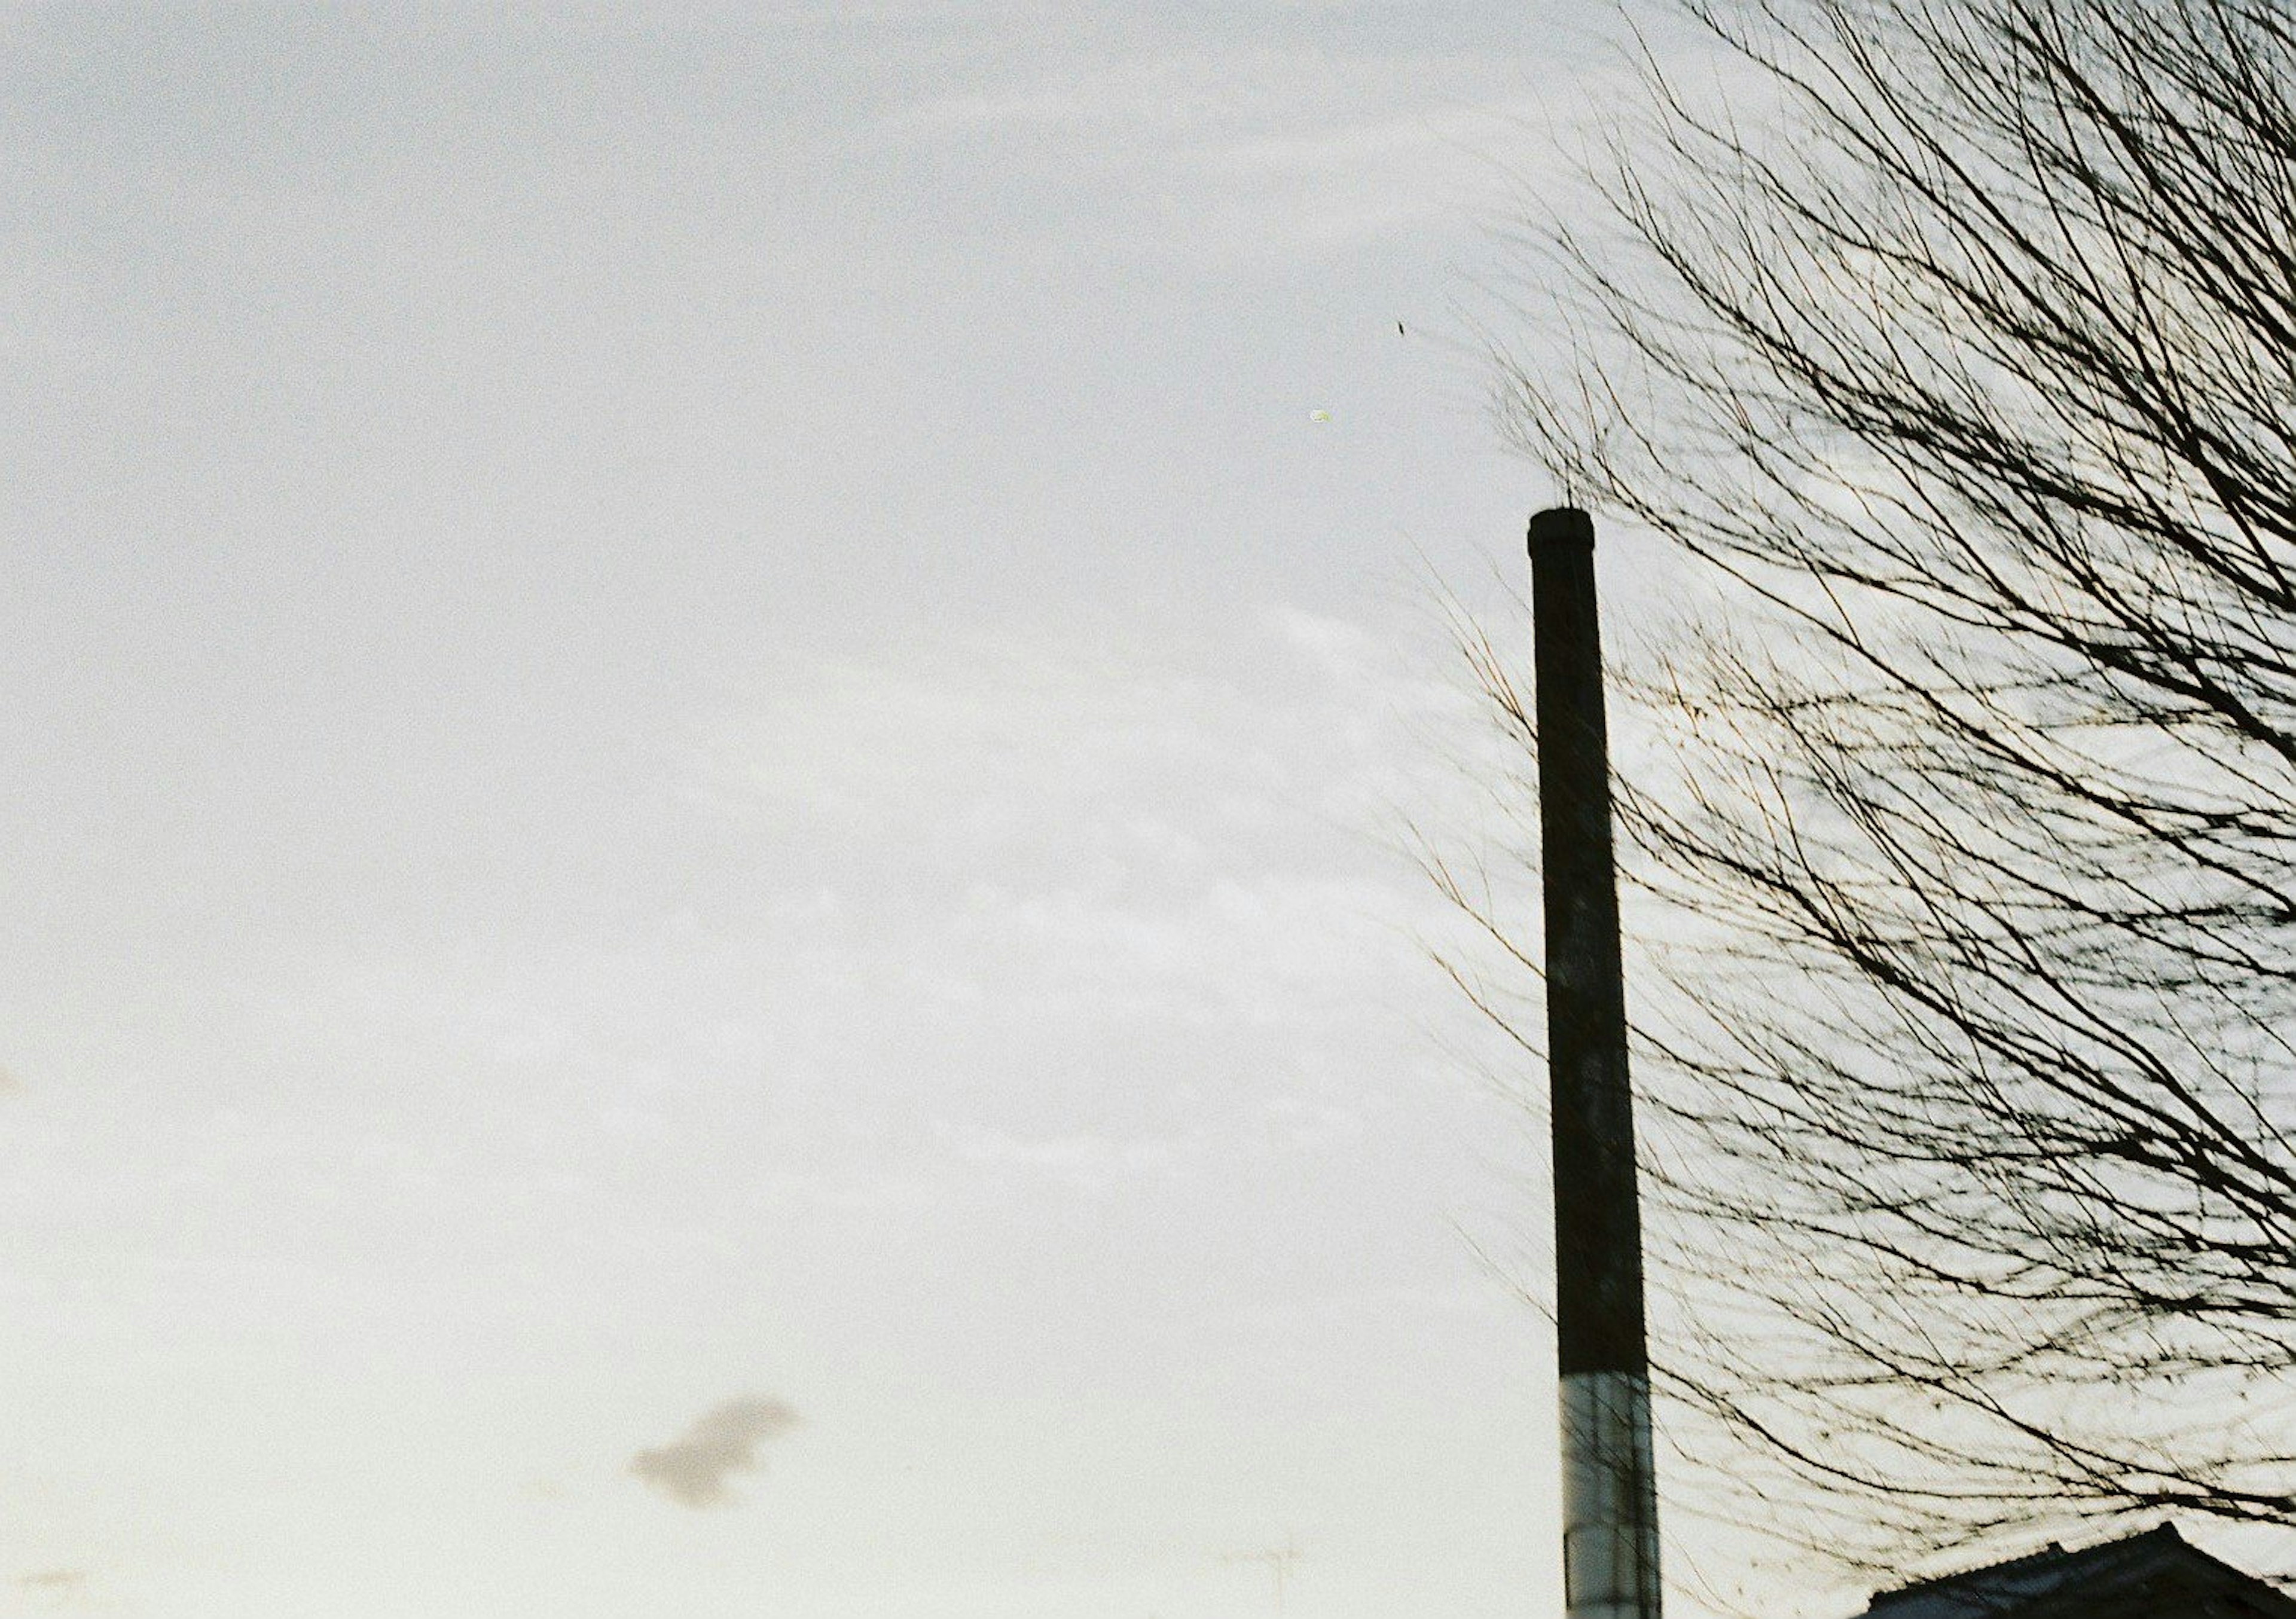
(2157, 1575)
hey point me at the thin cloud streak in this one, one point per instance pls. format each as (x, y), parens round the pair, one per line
(61, 1586)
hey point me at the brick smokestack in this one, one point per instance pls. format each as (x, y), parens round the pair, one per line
(1609, 1495)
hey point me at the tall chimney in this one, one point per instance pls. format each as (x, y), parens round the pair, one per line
(1610, 1492)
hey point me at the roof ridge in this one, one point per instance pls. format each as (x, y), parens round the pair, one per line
(2007, 1566)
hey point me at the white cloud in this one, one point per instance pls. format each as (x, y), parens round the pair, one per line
(1264, 145)
(1038, 107)
(1091, 1164)
(1345, 651)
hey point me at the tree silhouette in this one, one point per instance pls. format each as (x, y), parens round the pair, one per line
(1955, 357)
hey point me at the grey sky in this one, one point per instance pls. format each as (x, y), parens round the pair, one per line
(692, 708)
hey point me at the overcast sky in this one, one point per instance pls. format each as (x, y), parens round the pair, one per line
(704, 709)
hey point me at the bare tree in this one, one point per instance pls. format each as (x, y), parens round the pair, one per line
(1959, 363)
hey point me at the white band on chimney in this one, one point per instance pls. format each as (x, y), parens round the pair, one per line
(1609, 1506)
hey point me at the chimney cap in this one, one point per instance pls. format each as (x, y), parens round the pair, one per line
(1560, 526)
